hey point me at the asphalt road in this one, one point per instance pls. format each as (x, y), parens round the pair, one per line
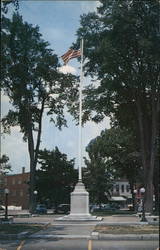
(77, 244)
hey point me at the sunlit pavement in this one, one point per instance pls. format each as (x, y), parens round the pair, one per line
(81, 244)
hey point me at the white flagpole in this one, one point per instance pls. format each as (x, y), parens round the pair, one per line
(80, 115)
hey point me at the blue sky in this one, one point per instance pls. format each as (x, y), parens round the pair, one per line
(58, 22)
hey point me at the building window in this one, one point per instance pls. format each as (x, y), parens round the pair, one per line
(14, 193)
(21, 193)
(13, 181)
(122, 188)
(127, 188)
(117, 188)
(19, 181)
(1, 181)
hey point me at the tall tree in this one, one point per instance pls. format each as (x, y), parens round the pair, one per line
(31, 79)
(123, 53)
(98, 176)
(56, 177)
(116, 149)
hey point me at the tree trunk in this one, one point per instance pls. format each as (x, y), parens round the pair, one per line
(34, 155)
(32, 170)
(149, 196)
(156, 178)
(39, 131)
(144, 141)
(148, 142)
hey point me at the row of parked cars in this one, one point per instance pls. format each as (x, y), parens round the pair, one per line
(61, 209)
(65, 208)
(104, 207)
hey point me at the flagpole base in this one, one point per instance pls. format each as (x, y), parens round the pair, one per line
(79, 206)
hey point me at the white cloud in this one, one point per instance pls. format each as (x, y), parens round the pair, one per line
(89, 6)
(5, 105)
(5, 98)
(16, 149)
(91, 130)
(67, 69)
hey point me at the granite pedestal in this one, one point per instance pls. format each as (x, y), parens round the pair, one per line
(79, 206)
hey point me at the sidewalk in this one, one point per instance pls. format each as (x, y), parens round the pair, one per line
(84, 230)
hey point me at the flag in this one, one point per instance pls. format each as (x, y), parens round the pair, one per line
(71, 53)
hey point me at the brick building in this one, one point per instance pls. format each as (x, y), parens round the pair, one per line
(18, 189)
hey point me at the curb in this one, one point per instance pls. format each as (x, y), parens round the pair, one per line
(93, 236)
(128, 223)
(101, 236)
(59, 236)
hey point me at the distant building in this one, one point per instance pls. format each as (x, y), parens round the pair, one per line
(18, 189)
(121, 187)
(2, 185)
(121, 192)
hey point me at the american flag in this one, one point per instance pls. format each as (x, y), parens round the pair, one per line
(71, 53)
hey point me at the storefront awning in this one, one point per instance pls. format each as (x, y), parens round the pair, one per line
(117, 198)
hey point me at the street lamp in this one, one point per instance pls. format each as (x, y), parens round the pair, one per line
(142, 190)
(35, 198)
(6, 191)
(135, 204)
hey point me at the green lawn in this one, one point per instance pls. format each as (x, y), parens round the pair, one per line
(133, 229)
(118, 212)
(19, 228)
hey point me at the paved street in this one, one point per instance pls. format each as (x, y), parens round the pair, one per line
(68, 229)
(77, 244)
(76, 236)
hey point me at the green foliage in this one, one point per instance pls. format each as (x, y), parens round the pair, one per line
(31, 80)
(122, 53)
(98, 176)
(119, 145)
(5, 167)
(5, 5)
(56, 177)
(111, 155)
(29, 74)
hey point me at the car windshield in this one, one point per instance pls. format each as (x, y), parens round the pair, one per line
(41, 206)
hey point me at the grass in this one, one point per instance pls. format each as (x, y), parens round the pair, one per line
(118, 212)
(133, 229)
(19, 228)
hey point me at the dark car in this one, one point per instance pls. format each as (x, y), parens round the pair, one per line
(41, 209)
(104, 208)
(1, 208)
(115, 205)
(63, 209)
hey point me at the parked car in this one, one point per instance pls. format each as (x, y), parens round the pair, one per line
(1, 208)
(63, 208)
(41, 209)
(115, 205)
(103, 208)
(92, 208)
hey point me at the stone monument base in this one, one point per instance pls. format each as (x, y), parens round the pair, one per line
(79, 206)
(78, 218)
